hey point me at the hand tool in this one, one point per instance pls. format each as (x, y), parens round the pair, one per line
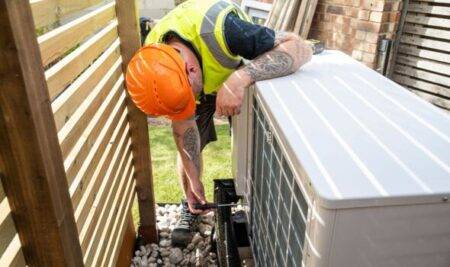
(208, 206)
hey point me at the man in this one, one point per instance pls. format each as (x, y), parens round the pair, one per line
(194, 55)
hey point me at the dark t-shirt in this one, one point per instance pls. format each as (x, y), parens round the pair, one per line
(246, 39)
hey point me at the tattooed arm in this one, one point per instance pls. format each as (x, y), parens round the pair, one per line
(189, 162)
(287, 56)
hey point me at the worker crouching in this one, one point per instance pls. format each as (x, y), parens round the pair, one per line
(191, 67)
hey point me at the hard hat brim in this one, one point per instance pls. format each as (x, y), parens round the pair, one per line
(188, 112)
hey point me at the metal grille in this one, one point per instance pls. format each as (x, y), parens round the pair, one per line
(278, 207)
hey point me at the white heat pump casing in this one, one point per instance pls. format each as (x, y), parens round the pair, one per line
(398, 229)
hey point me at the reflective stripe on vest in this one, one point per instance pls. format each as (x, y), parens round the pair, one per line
(208, 36)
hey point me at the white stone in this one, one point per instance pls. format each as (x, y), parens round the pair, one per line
(164, 234)
(176, 256)
(165, 243)
(196, 239)
(154, 254)
(205, 229)
(190, 247)
(165, 253)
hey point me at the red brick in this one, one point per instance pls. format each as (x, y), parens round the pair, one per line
(396, 6)
(357, 54)
(368, 26)
(351, 11)
(375, 5)
(371, 65)
(360, 35)
(369, 57)
(363, 14)
(387, 27)
(378, 16)
(335, 9)
(372, 37)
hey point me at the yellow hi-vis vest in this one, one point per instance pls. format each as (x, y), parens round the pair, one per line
(201, 23)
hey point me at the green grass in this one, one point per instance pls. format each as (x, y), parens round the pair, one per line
(216, 164)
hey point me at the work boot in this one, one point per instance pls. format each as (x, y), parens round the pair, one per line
(186, 227)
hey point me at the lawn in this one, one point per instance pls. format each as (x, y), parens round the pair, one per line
(216, 163)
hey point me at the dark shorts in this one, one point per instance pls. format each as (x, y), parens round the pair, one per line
(204, 117)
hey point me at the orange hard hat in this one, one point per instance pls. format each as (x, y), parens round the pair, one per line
(158, 84)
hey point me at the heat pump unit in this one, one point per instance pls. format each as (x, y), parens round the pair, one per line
(343, 167)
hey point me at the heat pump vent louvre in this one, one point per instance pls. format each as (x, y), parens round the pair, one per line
(278, 207)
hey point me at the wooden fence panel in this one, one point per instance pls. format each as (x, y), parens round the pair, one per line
(10, 247)
(33, 175)
(422, 63)
(130, 42)
(87, 137)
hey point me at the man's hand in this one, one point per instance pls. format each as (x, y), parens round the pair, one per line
(230, 95)
(288, 54)
(195, 194)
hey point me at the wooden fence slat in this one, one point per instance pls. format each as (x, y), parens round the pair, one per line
(110, 203)
(69, 68)
(30, 158)
(112, 252)
(2, 193)
(70, 99)
(430, 21)
(13, 255)
(116, 216)
(58, 41)
(422, 85)
(424, 53)
(90, 135)
(102, 202)
(438, 101)
(433, 10)
(114, 150)
(130, 42)
(114, 255)
(85, 190)
(437, 1)
(78, 154)
(426, 31)
(424, 64)
(79, 186)
(438, 45)
(92, 105)
(7, 233)
(425, 75)
(44, 12)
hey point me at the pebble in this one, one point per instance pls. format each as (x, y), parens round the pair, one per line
(164, 234)
(176, 256)
(165, 253)
(165, 242)
(197, 253)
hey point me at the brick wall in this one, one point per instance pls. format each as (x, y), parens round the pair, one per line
(356, 26)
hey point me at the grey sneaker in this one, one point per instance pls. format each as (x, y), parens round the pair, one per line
(186, 227)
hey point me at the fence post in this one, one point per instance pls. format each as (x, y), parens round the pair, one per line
(32, 168)
(129, 43)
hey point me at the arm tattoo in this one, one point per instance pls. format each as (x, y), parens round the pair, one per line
(270, 65)
(280, 37)
(191, 146)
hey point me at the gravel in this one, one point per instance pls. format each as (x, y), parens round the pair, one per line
(197, 253)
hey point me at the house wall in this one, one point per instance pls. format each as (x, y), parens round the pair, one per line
(356, 26)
